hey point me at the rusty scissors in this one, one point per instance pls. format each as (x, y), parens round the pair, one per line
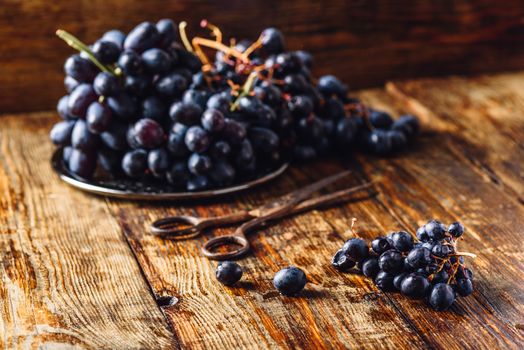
(184, 227)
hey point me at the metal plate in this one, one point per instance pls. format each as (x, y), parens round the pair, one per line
(153, 191)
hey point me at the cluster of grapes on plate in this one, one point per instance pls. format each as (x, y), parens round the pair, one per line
(154, 105)
(431, 269)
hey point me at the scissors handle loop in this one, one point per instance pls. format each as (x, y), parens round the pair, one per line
(215, 242)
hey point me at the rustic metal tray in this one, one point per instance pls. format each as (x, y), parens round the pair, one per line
(151, 190)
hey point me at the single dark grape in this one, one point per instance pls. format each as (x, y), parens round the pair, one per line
(356, 249)
(435, 230)
(441, 297)
(134, 163)
(82, 138)
(198, 97)
(80, 69)
(159, 162)
(199, 164)
(415, 286)
(272, 41)
(171, 85)
(197, 139)
(115, 36)
(220, 101)
(110, 160)
(422, 235)
(167, 30)
(391, 261)
(185, 113)
(156, 61)
(233, 131)
(144, 36)
(98, 117)
(82, 163)
(402, 241)
(79, 100)
(384, 281)
(148, 133)
(419, 257)
(61, 107)
(213, 120)
(61, 132)
(341, 261)
(70, 83)
(290, 281)
(106, 52)
(456, 229)
(130, 62)
(380, 119)
(106, 84)
(464, 287)
(381, 244)
(370, 267)
(228, 273)
(329, 85)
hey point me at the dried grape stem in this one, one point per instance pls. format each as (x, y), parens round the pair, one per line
(182, 30)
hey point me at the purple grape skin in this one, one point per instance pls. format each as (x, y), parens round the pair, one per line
(148, 133)
(79, 100)
(61, 132)
(82, 163)
(98, 117)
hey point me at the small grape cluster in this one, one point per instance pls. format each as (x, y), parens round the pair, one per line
(431, 269)
(153, 104)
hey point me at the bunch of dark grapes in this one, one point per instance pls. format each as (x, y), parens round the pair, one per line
(431, 269)
(153, 105)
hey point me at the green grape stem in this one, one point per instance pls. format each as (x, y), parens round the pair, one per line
(246, 89)
(76, 44)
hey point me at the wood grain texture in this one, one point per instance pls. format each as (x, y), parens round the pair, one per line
(67, 277)
(437, 179)
(465, 166)
(364, 42)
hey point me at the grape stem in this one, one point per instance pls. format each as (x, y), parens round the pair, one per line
(246, 89)
(76, 44)
(182, 30)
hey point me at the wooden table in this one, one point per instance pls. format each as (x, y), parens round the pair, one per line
(79, 271)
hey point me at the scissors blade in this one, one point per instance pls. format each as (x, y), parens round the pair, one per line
(293, 198)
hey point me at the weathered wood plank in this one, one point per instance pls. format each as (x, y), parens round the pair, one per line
(432, 181)
(366, 43)
(481, 117)
(340, 310)
(67, 276)
(335, 311)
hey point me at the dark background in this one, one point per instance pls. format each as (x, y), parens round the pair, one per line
(364, 42)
